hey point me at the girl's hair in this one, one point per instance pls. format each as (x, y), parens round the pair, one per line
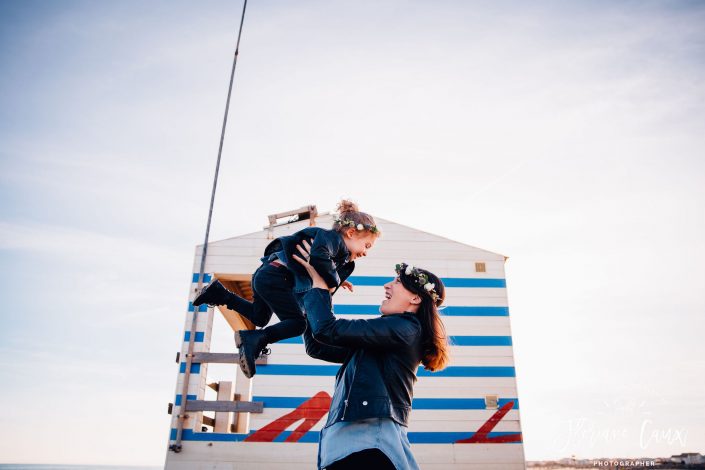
(349, 216)
(435, 347)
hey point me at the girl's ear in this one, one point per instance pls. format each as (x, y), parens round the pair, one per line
(416, 300)
(350, 232)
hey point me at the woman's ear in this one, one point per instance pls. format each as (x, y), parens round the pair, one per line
(350, 232)
(415, 300)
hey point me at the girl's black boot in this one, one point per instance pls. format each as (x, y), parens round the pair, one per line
(251, 344)
(214, 293)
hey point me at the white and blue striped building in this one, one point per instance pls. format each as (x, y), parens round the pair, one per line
(474, 400)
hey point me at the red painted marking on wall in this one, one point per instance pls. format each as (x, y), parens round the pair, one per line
(311, 411)
(482, 434)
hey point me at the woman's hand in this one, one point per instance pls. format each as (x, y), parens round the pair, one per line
(347, 285)
(318, 281)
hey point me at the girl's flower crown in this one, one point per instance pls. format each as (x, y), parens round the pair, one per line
(420, 278)
(359, 227)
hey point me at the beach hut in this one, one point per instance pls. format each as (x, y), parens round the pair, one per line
(464, 417)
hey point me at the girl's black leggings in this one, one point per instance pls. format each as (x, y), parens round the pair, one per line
(273, 289)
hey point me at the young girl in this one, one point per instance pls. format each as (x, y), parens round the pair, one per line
(280, 282)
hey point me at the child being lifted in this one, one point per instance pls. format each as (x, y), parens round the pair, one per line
(280, 282)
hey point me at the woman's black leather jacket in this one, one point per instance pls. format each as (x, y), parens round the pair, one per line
(379, 359)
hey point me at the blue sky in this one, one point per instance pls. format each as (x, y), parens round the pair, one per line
(567, 136)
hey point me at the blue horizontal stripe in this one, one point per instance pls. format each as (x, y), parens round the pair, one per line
(312, 437)
(447, 281)
(480, 340)
(195, 367)
(448, 311)
(356, 309)
(206, 278)
(417, 404)
(382, 280)
(474, 311)
(446, 437)
(199, 336)
(326, 370)
(294, 340)
(469, 371)
(454, 340)
(294, 369)
(177, 401)
(458, 403)
(201, 308)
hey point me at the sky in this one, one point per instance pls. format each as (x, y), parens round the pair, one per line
(568, 136)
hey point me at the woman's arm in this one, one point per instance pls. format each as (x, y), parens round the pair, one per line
(389, 332)
(324, 352)
(316, 349)
(385, 332)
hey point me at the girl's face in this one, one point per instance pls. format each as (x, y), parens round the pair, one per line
(398, 299)
(358, 242)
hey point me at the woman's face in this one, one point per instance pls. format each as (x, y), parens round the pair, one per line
(398, 299)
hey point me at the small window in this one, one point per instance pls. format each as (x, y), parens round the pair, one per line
(491, 402)
(480, 268)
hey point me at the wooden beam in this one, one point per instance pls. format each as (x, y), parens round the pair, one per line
(243, 392)
(233, 277)
(208, 421)
(311, 211)
(303, 213)
(223, 419)
(237, 416)
(228, 406)
(222, 358)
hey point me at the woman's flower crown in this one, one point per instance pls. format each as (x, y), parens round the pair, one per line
(359, 227)
(419, 277)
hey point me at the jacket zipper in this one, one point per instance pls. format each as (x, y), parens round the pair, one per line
(352, 381)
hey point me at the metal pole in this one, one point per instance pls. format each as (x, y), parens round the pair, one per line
(176, 447)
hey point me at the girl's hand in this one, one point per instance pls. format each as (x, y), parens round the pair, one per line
(347, 285)
(318, 281)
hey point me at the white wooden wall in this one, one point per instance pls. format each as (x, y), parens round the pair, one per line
(438, 418)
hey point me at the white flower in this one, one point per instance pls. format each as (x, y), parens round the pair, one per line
(360, 226)
(409, 268)
(429, 286)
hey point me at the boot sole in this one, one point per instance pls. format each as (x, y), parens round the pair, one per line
(243, 363)
(245, 370)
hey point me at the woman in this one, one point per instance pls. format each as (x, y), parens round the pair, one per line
(369, 412)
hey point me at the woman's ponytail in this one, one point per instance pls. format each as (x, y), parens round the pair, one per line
(436, 350)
